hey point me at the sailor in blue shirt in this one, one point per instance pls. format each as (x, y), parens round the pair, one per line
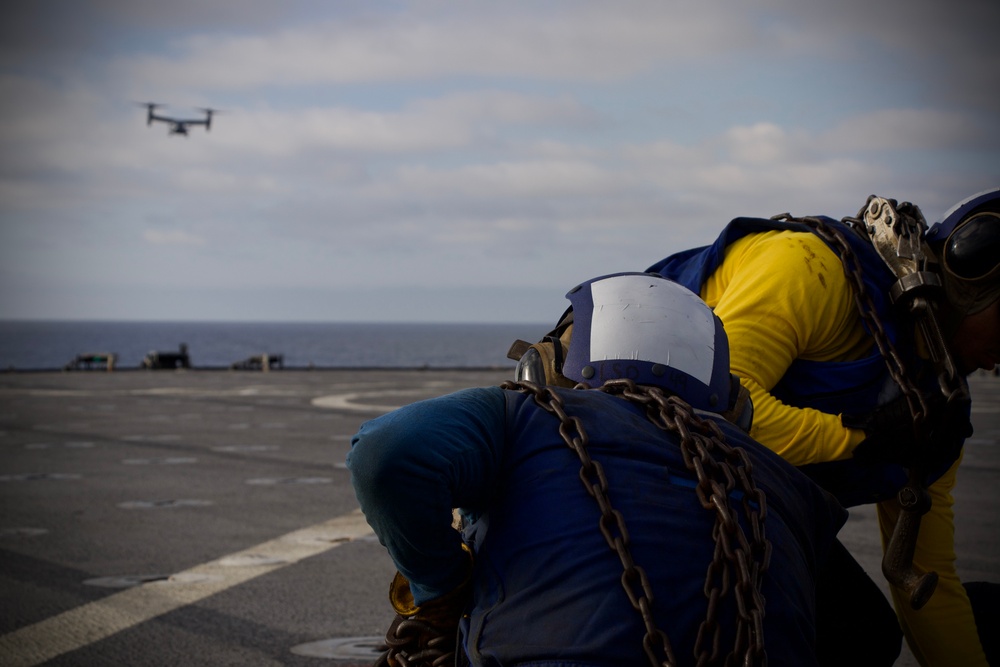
(633, 523)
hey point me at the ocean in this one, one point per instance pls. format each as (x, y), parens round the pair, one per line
(49, 345)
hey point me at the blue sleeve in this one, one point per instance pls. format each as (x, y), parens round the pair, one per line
(412, 466)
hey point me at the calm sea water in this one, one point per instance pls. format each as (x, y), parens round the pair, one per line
(51, 345)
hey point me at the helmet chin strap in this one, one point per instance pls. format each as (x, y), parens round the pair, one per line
(740, 411)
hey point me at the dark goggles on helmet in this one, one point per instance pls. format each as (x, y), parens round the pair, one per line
(530, 368)
(972, 252)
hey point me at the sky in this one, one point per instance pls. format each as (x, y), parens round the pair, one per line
(455, 161)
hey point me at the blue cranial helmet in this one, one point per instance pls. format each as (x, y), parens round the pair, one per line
(987, 200)
(648, 329)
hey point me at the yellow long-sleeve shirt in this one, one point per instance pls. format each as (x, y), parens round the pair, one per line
(782, 296)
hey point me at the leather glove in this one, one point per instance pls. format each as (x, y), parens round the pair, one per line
(890, 436)
(442, 612)
(424, 635)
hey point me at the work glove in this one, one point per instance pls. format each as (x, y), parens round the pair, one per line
(425, 635)
(890, 436)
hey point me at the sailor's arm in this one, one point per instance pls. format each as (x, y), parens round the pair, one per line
(783, 296)
(411, 467)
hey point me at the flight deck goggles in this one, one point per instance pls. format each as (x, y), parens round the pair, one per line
(971, 261)
(542, 362)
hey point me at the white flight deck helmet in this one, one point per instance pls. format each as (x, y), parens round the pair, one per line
(653, 331)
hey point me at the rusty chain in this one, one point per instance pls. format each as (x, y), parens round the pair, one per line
(720, 469)
(413, 643)
(866, 309)
(914, 500)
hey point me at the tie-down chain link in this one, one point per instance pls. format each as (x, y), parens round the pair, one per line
(897, 561)
(720, 470)
(866, 309)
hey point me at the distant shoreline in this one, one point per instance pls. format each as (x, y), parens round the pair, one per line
(226, 369)
(92, 346)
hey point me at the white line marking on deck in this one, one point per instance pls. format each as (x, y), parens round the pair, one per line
(92, 622)
(348, 401)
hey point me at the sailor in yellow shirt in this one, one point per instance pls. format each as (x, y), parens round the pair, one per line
(801, 347)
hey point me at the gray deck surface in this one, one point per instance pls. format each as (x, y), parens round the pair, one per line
(205, 517)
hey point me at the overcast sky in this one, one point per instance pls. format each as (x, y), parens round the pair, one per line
(455, 161)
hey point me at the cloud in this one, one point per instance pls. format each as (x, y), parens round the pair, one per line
(501, 180)
(911, 129)
(448, 122)
(765, 144)
(430, 143)
(172, 237)
(421, 42)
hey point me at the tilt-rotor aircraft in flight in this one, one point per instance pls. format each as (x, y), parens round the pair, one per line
(178, 125)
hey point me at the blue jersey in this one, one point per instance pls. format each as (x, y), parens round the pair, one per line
(546, 586)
